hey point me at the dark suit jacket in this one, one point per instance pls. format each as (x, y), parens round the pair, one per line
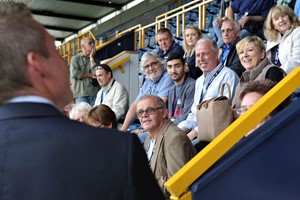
(233, 61)
(44, 155)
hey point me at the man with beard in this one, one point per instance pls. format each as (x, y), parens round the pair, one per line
(158, 82)
(181, 94)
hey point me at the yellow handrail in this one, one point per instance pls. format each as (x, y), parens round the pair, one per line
(178, 183)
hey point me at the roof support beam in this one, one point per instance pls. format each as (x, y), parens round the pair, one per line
(97, 3)
(61, 28)
(59, 15)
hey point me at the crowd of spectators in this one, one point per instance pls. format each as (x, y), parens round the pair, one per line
(257, 45)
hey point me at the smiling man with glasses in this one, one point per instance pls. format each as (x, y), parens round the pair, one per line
(85, 86)
(168, 148)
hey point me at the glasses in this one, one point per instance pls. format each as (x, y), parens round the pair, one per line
(151, 64)
(148, 111)
(241, 110)
(98, 67)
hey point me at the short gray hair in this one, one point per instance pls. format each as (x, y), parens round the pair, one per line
(236, 24)
(82, 107)
(213, 44)
(159, 101)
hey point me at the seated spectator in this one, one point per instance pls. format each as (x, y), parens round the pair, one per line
(68, 108)
(251, 93)
(168, 148)
(217, 23)
(79, 111)
(191, 35)
(283, 34)
(250, 15)
(102, 116)
(209, 84)
(112, 93)
(252, 54)
(180, 95)
(166, 43)
(230, 30)
(158, 82)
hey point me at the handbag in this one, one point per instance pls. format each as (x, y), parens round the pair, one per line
(214, 116)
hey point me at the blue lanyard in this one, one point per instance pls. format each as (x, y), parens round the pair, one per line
(101, 99)
(175, 100)
(210, 81)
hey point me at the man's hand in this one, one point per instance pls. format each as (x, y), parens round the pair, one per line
(123, 129)
(192, 134)
(219, 21)
(243, 21)
(93, 52)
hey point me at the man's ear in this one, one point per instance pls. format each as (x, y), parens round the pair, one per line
(34, 61)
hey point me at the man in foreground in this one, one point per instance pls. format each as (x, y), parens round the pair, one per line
(44, 155)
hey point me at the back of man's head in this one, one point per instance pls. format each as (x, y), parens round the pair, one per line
(20, 34)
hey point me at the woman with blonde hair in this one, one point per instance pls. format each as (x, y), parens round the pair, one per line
(191, 35)
(283, 34)
(252, 54)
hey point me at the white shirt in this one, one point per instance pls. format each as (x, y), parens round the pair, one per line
(226, 75)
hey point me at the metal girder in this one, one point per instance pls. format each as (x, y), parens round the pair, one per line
(97, 3)
(61, 28)
(60, 15)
